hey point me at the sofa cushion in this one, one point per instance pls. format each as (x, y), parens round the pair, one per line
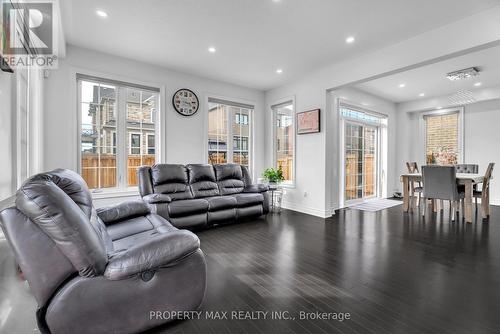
(187, 207)
(157, 198)
(123, 211)
(202, 180)
(229, 178)
(221, 203)
(256, 188)
(171, 180)
(248, 199)
(129, 227)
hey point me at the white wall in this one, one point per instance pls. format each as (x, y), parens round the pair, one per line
(482, 138)
(481, 133)
(316, 171)
(184, 136)
(6, 135)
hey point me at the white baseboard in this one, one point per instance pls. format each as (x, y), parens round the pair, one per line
(307, 209)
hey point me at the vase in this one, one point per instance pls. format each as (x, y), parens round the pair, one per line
(272, 185)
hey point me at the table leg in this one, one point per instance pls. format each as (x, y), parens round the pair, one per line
(272, 201)
(468, 202)
(406, 190)
(412, 196)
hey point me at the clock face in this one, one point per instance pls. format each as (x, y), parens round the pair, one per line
(185, 102)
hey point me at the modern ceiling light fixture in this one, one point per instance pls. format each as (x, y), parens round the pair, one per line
(101, 13)
(466, 73)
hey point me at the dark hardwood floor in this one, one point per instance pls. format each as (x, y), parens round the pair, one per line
(392, 272)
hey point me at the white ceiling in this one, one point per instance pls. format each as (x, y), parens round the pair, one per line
(432, 81)
(253, 37)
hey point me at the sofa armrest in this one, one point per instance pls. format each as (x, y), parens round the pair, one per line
(256, 188)
(157, 252)
(122, 211)
(157, 198)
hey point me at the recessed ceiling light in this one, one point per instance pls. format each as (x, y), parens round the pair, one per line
(212, 49)
(279, 71)
(101, 13)
(402, 85)
(421, 94)
(350, 39)
(439, 108)
(477, 84)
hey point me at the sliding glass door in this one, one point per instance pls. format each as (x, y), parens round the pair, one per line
(361, 161)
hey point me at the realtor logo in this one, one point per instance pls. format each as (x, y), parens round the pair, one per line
(28, 34)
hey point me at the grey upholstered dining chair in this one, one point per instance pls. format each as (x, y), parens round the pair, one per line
(467, 168)
(484, 193)
(440, 182)
(415, 187)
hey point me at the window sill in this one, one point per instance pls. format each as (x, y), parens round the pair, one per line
(287, 185)
(114, 193)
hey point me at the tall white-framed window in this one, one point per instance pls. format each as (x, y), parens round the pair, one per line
(230, 132)
(443, 133)
(284, 139)
(117, 121)
(363, 153)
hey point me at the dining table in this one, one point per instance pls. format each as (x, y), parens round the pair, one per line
(465, 179)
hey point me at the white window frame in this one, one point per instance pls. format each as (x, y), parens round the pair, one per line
(114, 140)
(229, 150)
(239, 117)
(147, 142)
(381, 149)
(423, 131)
(291, 100)
(122, 188)
(130, 134)
(248, 143)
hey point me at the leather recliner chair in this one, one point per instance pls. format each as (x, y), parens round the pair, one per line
(197, 195)
(99, 271)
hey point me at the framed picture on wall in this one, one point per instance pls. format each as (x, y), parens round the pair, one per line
(308, 122)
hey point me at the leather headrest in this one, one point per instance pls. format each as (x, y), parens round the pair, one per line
(169, 173)
(198, 173)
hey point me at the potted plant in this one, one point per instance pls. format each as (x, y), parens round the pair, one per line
(273, 177)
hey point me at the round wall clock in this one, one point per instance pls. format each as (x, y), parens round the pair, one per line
(185, 102)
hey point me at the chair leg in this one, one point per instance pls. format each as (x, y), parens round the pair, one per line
(412, 198)
(463, 208)
(453, 209)
(419, 199)
(424, 206)
(484, 204)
